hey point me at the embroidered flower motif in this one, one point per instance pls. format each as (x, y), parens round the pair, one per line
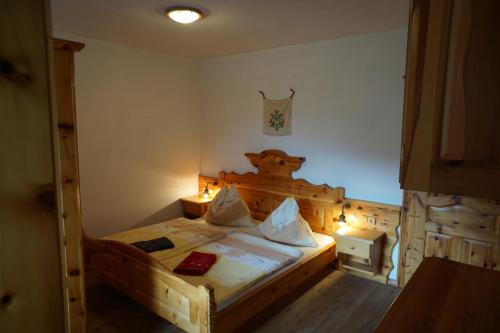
(277, 120)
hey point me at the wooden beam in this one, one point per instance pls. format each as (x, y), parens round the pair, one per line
(64, 78)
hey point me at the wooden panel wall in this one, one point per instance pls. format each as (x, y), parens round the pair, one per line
(320, 205)
(462, 229)
(31, 283)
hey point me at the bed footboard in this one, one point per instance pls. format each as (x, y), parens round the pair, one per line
(147, 281)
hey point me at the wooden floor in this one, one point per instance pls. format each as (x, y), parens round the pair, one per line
(340, 303)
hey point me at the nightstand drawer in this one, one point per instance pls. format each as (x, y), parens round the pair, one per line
(191, 208)
(352, 247)
(195, 206)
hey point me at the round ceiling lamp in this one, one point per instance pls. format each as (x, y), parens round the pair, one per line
(184, 15)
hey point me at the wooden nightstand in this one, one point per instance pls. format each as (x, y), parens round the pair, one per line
(195, 206)
(359, 250)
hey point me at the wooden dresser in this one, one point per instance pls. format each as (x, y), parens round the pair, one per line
(446, 296)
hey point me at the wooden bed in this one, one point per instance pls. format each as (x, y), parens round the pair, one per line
(193, 308)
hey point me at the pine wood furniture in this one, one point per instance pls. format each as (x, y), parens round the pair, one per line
(359, 250)
(64, 68)
(461, 229)
(195, 206)
(446, 296)
(41, 286)
(193, 308)
(362, 214)
(451, 143)
(363, 304)
(30, 223)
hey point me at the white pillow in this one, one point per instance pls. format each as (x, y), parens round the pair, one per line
(286, 225)
(229, 209)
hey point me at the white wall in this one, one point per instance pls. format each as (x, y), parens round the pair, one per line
(141, 117)
(346, 114)
(138, 134)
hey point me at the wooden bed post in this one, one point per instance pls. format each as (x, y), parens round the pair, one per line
(207, 309)
(150, 283)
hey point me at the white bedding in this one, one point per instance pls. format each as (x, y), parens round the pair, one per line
(235, 272)
(219, 279)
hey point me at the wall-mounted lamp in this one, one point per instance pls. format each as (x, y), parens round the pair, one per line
(342, 219)
(206, 191)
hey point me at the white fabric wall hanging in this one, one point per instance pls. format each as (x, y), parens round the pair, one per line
(277, 119)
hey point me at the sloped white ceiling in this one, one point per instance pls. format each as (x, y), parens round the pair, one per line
(230, 27)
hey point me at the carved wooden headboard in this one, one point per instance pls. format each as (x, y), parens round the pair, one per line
(265, 190)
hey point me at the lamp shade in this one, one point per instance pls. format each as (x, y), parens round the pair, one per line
(184, 15)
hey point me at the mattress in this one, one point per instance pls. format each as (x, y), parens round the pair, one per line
(226, 296)
(223, 300)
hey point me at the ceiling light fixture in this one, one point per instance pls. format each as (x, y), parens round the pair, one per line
(184, 15)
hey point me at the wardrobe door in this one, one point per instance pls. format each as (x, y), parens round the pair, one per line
(415, 53)
(451, 143)
(467, 158)
(31, 265)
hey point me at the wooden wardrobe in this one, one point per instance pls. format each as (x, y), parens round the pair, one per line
(41, 276)
(457, 228)
(451, 141)
(450, 156)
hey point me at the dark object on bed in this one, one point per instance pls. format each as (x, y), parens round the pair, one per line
(196, 264)
(153, 245)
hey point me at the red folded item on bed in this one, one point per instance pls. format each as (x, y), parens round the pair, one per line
(196, 263)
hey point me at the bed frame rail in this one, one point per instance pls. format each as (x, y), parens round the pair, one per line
(147, 281)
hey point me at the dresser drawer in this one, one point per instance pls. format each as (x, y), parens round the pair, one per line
(353, 247)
